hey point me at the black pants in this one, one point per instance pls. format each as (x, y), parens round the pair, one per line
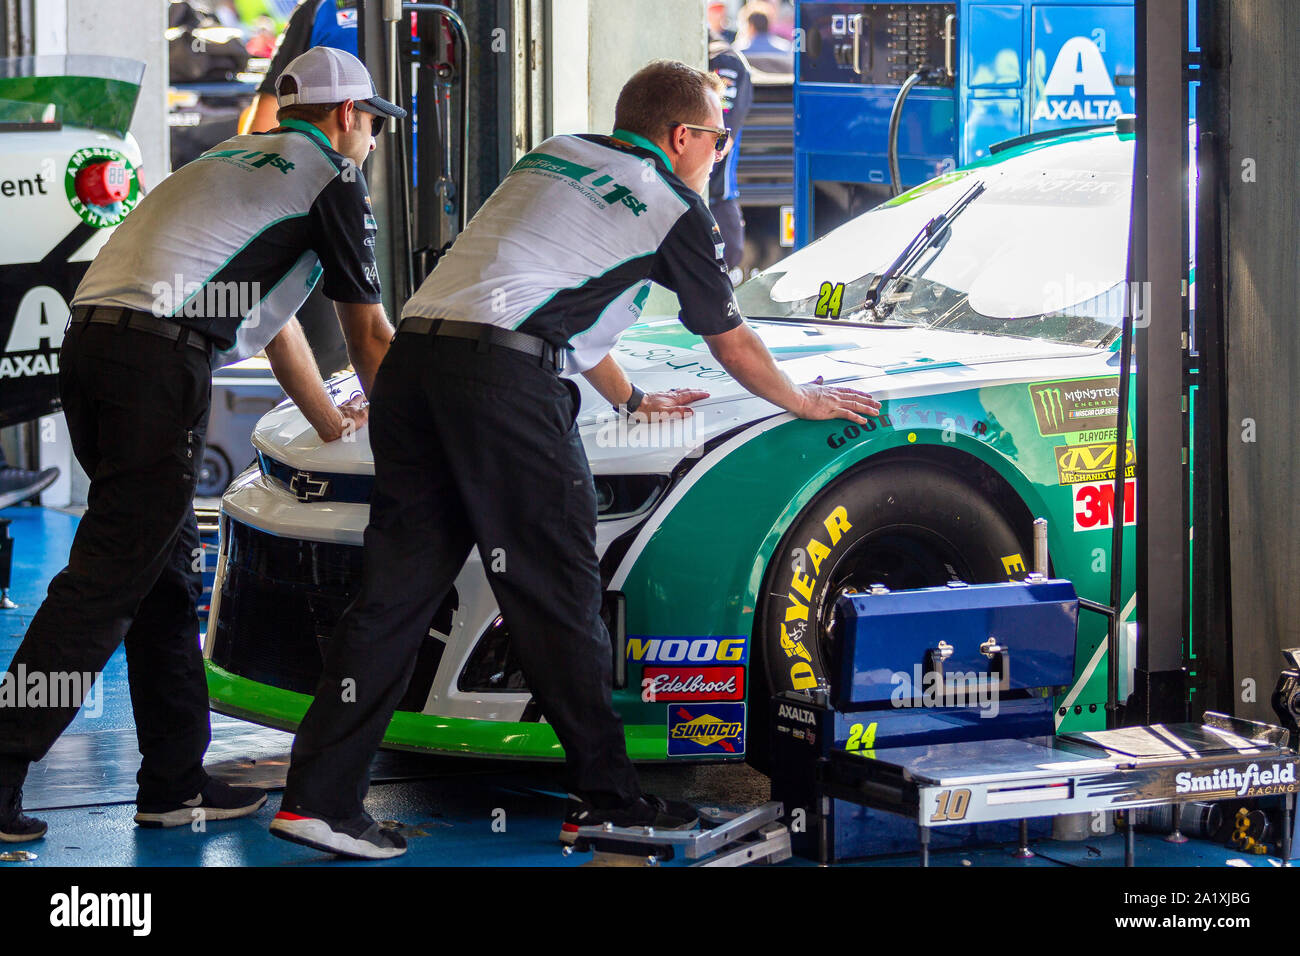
(470, 448)
(137, 411)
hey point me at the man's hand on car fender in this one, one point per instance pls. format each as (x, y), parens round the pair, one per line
(827, 401)
(656, 406)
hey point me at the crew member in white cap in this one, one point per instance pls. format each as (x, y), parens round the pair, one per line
(207, 270)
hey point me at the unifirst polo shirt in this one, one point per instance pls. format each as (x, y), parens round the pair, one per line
(231, 244)
(567, 245)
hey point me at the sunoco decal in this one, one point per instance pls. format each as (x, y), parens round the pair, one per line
(1075, 404)
(1076, 464)
(1251, 781)
(806, 565)
(101, 217)
(706, 729)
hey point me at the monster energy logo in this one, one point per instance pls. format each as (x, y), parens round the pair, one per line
(1052, 410)
(1063, 406)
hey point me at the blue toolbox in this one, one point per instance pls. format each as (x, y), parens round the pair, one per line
(916, 668)
(936, 729)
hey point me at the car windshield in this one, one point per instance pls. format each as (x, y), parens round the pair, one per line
(1039, 254)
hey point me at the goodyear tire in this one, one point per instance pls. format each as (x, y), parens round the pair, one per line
(904, 525)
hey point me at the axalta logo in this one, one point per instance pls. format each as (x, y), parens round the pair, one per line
(797, 714)
(695, 650)
(719, 729)
(1251, 781)
(1078, 64)
(37, 330)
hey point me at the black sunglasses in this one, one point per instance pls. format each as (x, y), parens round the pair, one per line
(376, 122)
(723, 135)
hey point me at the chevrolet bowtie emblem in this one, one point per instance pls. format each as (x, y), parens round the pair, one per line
(307, 488)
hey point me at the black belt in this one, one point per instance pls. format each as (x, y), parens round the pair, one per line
(143, 321)
(487, 336)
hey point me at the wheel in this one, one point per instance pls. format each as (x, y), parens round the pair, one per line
(214, 473)
(900, 524)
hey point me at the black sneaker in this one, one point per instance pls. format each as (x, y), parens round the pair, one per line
(16, 826)
(360, 838)
(645, 811)
(19, 484)
(217, 801)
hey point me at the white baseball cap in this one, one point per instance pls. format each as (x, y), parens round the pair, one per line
(326, 75)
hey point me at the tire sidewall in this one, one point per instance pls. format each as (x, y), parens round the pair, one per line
(925, 500)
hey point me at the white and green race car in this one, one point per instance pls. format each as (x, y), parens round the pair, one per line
(725, 540)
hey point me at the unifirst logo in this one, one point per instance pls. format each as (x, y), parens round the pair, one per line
(1251, 780)
(1079, 64)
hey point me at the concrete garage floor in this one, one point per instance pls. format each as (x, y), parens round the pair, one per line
(455, 812)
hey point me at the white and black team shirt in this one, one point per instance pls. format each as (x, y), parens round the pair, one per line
(231, 244)
(567, 245)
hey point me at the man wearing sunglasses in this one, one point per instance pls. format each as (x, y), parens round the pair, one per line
(474, 439)
(207, 270)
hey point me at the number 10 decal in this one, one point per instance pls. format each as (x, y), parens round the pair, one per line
(953, 805)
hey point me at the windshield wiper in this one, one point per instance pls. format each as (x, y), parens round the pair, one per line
(923, 240)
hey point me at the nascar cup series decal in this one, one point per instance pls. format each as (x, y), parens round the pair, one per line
(102, 186)
(700, 729)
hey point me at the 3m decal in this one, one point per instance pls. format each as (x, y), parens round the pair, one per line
(684, 650)
(830, 299)
(1075, 404)
(1094, 505)
(678, 684)
(1076, 464)
(803, 581)
(706, 729)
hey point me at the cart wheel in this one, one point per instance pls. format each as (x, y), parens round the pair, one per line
(214, 473)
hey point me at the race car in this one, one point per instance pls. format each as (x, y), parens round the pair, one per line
(991, 337)
(69, 173)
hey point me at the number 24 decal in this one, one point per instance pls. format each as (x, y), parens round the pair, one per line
(830, 298)
(953, 805)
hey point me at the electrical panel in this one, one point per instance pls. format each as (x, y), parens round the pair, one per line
(878, 43)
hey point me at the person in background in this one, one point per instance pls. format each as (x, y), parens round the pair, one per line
(717, 15)
(328, 23)
(724, 189)
(757, 19)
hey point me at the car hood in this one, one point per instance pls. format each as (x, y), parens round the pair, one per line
(658, 355)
